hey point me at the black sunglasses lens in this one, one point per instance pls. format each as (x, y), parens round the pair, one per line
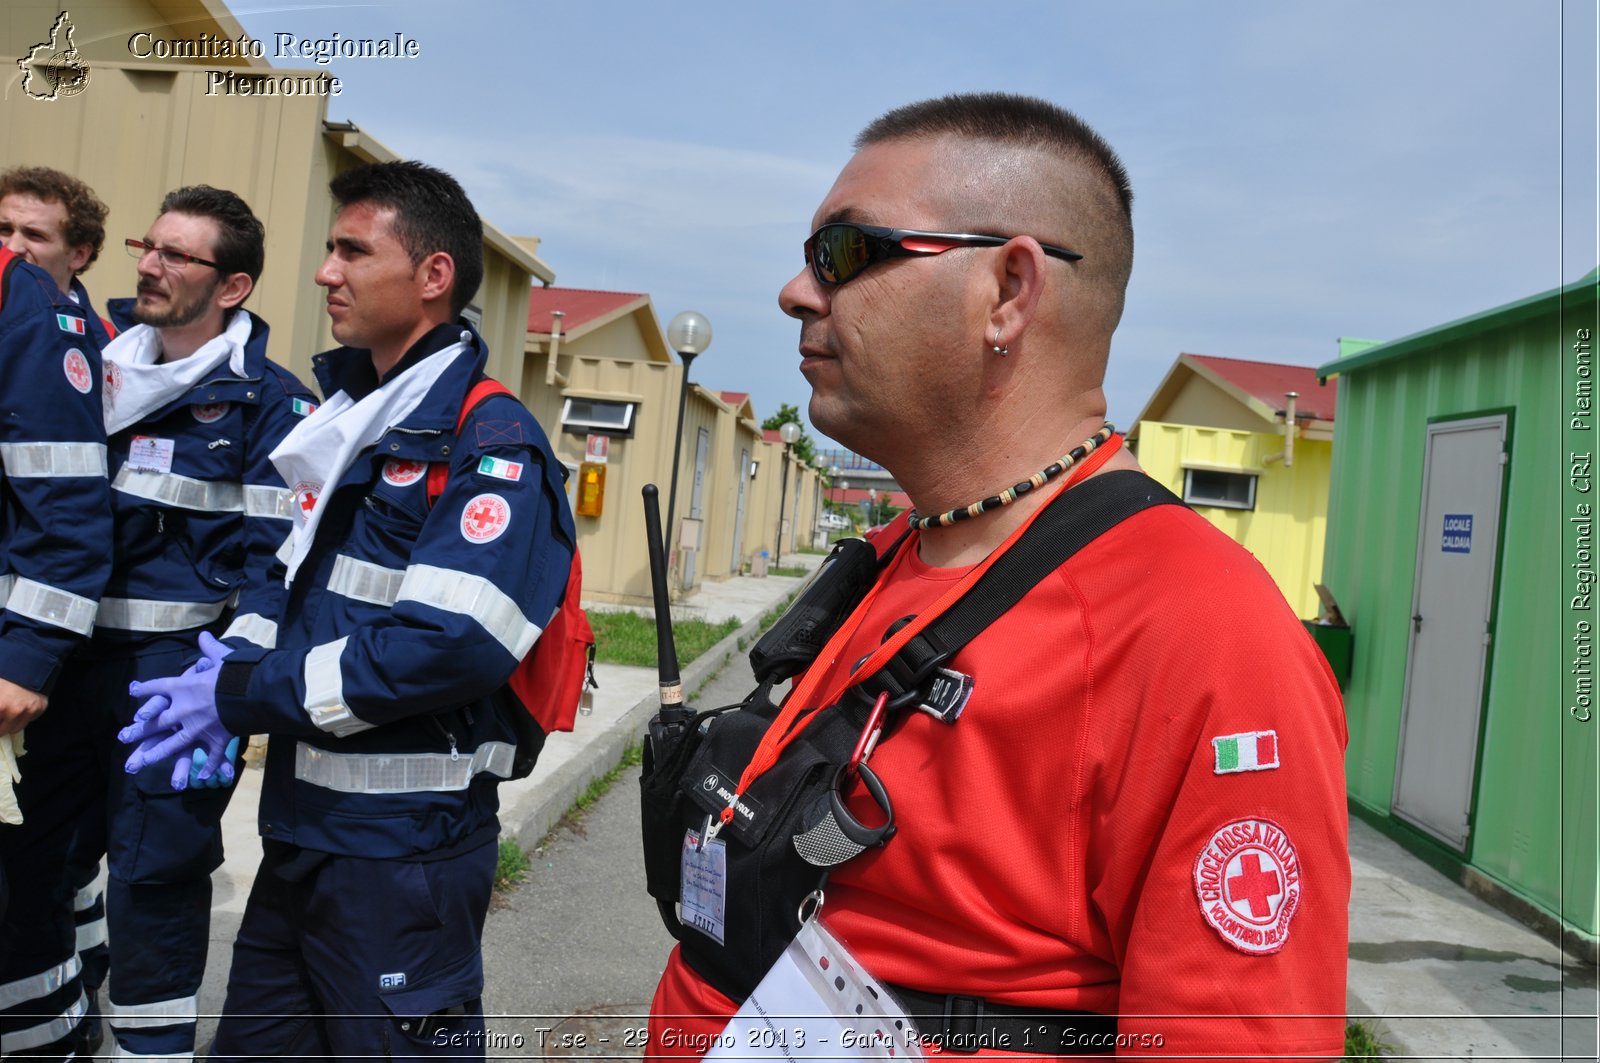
(838, 253)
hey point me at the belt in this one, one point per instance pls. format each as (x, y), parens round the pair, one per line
(966, 1024)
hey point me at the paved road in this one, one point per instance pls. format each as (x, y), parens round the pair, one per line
(575, 951)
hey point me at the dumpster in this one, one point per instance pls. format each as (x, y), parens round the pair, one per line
(1337, 643)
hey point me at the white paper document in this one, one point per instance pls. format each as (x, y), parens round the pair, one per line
(817, 1002)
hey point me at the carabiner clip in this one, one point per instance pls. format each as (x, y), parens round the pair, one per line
(868, 740)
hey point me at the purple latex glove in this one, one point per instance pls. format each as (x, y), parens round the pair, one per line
(180, 715)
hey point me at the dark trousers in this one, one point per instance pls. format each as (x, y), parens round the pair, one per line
(340, 958)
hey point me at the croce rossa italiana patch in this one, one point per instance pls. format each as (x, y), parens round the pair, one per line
(1247, 878)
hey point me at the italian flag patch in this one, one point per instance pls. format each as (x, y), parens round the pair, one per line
(68, 323)
(304, 407)
(1250, 751)
(505, 470)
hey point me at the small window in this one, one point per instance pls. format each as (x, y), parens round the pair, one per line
(1231, 490)
(598, 417)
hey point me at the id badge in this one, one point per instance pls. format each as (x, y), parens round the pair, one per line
(818, 1002)
(150, 454)
(702, 899)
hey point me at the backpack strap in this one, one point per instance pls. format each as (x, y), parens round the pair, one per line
(439, 471)
(1072, 521)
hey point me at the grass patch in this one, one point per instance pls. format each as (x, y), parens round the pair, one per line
(789, 570)
(628, 638)
(511, 866)
(1361, 1042)
(770, 617)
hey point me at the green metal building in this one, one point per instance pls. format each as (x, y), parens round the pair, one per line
(1460, 553)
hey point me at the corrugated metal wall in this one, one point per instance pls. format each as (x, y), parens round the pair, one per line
(1533, 826)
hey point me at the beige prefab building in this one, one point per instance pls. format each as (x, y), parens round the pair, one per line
(137, 129)
(600, 378)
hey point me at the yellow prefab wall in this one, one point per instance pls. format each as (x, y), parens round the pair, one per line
(143, 129)
(1285, 530)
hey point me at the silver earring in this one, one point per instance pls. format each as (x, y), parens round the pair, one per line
(997, 349)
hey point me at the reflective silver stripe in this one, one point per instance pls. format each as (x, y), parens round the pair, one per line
(92, 934)
(285, 549)
(87, 897)
(26, 460)
(275, 502)
(185, 492)
(253, 627)
(39, 986)
(325, 691)
(474, 596)
(364, 581)
(160, 1013)
(399, 773)
(45, 1032)
(51, 605)
(144, 614)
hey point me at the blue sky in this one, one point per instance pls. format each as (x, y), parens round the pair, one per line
(1301, 171)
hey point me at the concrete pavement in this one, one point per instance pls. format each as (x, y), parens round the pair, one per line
(1441, 974)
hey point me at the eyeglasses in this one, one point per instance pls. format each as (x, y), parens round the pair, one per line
(169, 259)
(840, 250)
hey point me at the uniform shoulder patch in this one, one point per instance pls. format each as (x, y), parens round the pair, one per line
(1246, 751)
(76, 365)
(1247, 879)
(485, 519)
(499, 468)
(304, 407)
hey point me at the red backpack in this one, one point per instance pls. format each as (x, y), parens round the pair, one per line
(552, 679)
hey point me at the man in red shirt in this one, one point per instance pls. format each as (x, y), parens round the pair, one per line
(1140, 811)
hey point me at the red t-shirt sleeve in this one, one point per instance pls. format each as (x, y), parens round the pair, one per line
(1215, 800)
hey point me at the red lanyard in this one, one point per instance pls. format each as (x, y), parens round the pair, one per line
(784, 730)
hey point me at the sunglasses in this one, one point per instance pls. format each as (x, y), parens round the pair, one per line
(840, 250)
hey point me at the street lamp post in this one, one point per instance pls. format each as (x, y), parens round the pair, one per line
(689, 333)
(788, 432)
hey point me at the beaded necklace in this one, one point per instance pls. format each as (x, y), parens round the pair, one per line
(1011, 494)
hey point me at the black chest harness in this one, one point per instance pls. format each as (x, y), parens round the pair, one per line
(790, 826)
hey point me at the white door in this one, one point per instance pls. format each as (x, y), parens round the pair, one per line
(1462, 474)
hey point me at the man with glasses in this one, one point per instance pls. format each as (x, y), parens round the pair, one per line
(55, 519)
(193, 409)
(1107, 826)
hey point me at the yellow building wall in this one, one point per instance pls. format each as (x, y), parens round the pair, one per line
(1286, 529)
(143, 129)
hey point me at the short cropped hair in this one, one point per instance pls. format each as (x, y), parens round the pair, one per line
(1008, 119)
(86, 214)
(432, 213)
(241, 238)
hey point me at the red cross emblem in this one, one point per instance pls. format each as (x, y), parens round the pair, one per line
(1254, 886)
(485, 519)
(400, 473)
(208, 412)
(1248, 882)
(113, 378)
(305, 496)
(76, 367)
